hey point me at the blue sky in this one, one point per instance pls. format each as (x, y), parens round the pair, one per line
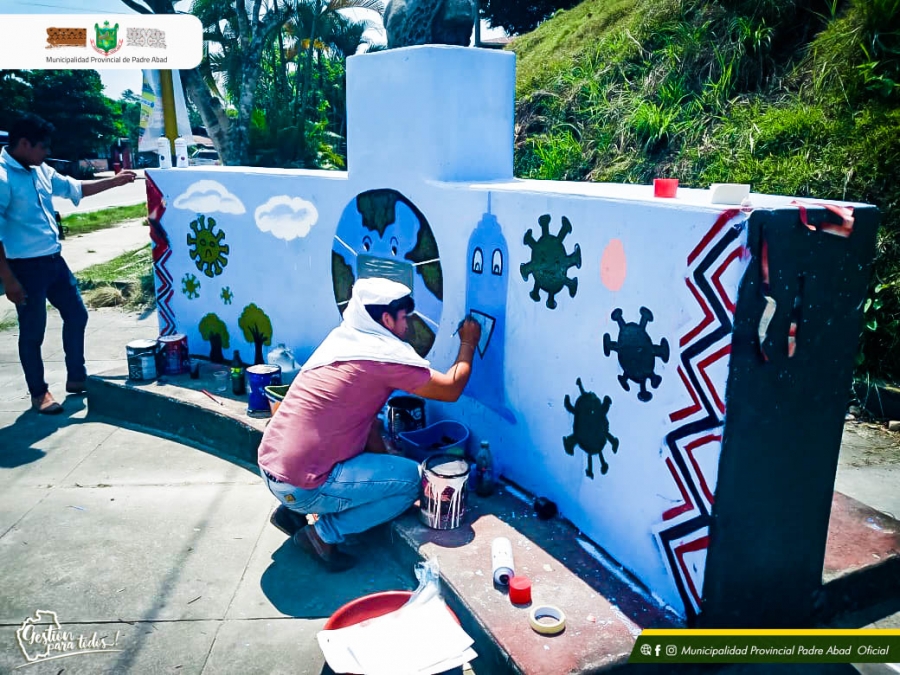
(117, 81)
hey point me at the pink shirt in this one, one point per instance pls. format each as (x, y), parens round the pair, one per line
(327, 415)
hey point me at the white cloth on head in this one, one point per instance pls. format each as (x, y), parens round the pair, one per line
(360, 337)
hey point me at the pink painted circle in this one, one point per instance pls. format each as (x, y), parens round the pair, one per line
(613, 265)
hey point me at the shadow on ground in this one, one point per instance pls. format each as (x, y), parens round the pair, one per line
(30, 429)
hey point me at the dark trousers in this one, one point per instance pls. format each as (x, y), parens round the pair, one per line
(48, 279)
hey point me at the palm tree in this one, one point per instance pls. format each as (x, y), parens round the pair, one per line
(320, 11)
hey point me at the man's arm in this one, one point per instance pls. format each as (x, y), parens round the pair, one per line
(449, 386)
(11, 285)
(93, 187)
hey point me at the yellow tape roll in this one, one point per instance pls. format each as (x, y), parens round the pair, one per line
(547, 628)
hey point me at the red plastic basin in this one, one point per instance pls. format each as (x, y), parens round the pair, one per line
(370, 606)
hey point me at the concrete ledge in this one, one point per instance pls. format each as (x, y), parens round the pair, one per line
(605, 608)
(862, 559)
(175, 406)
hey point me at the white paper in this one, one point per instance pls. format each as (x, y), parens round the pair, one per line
(418, 639)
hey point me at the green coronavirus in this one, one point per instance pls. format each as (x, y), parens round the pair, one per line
(190, 286)
(208, 250)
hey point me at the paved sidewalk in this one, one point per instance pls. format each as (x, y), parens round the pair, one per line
(89, 249)
(166, 546)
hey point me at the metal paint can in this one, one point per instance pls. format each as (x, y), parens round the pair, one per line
(174, 354)
(258, 378)
(141, 356)
(443, 503)
(405, 413)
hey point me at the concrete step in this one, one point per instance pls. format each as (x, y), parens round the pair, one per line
(862, 561)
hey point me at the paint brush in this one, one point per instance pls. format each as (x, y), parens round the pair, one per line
(213, 398)
(467, 317)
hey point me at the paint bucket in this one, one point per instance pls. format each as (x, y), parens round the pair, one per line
(141, 355)
(443, 504)
(405, 413)
(173, 350)
(444, 437)
(275, 395)
(258, 378)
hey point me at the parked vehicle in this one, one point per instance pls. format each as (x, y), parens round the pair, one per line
(205, 158)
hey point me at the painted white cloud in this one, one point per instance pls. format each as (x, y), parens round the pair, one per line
(286, 217)
(209, 196)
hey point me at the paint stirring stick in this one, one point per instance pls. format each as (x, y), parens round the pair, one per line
(213, 398)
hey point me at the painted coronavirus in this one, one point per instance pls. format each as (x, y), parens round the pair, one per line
(591, 428)
(637, 353)
(207, 247)
(190, 286)
(550, 263)
(226, 295)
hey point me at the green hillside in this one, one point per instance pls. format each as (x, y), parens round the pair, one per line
(795, 97)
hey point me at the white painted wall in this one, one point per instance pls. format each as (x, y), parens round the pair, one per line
(435, 123)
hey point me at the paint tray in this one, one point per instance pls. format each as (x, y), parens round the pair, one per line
(446, 436)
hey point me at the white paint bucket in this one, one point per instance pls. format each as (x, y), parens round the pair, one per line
(443, 504)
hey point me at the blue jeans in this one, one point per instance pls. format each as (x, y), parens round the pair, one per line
(359, 494)
(48, 279)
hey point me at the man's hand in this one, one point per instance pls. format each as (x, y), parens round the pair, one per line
(470, 331)
(123, 178)
(14, 291)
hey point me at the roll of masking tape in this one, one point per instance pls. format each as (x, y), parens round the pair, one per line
(556, 624)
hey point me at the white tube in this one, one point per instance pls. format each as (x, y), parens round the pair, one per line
(502, 561)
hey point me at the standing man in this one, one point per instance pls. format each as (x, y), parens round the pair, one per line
(323, 452)
(31, 268)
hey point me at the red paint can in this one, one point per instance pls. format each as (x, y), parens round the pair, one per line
(174, 355)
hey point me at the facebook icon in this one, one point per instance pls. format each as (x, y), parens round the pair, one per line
(657, 650)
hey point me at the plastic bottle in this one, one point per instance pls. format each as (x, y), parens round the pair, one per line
(164, 151)
(237, 374)
(181, 152)
(484, 471)
(283, 357)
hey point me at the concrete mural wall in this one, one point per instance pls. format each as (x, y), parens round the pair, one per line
(600, 379)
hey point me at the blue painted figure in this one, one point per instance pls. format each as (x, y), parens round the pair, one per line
(486, 289)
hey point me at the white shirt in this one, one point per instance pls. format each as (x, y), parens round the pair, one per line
(27, 224)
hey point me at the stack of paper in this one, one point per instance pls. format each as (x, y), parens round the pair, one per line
(417, 639)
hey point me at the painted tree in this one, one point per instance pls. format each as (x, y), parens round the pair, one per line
(215, 332)
(257, 327)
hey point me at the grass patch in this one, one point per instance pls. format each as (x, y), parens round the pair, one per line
(8, 321)
(82, 223)
(125, 281)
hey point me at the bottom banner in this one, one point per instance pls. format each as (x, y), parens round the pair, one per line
(767, 646)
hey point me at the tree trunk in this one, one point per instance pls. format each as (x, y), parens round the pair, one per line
(215, 352)
(307, 71)
(211, 112)
(258, 356)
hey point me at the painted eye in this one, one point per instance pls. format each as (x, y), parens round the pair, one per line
(395, 245)
(497, 262)
(367, 244)
(477, 261)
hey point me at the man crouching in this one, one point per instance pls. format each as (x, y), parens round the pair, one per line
(323, 453)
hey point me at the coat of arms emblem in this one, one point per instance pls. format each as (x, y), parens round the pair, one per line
(106, 41)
